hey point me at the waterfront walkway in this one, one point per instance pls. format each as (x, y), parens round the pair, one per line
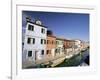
(51, 59)
(46, 60)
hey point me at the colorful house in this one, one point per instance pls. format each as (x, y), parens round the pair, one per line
(51, 45)
(68, 46)
(34, 44)
(78, 44)
(59, 46)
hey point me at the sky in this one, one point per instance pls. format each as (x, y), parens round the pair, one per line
(65, 25)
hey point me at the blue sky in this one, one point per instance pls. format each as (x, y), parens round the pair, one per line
(65, 25)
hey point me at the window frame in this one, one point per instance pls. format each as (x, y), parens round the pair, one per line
(30, 27)
(43, 41)
(42, 30)
(28, 40)
(33, 39)
(28, 53)
(42, 52)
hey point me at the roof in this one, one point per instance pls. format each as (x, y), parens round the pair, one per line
(51, 36)
(36, 24)
(65, 39)
(60, 38)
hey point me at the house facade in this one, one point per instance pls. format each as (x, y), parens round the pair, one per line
(68, 46)
(78, 44)
(59, 46)
(50, 47)
(84, 45)
(34, 44)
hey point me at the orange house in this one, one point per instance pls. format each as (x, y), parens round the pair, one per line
(51, 45)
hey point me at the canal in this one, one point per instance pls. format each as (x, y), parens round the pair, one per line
(76, 60)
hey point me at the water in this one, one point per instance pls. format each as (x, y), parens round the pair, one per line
(76, 60)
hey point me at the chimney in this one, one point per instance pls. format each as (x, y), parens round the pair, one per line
(28, 19)
(49, 32)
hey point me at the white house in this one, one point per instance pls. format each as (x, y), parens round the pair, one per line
(34, 45)
(59, 46)
(78, 44)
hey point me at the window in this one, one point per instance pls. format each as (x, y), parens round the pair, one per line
(29, 40)
(30, 27)
(57, 42)
(52, 42)
(47, 41)
(42, 30)
(59, 50)
(56, 51)
(43, 41)
(42, 52)
(47, 51)
(29, 53)
(23, 43)
(33, 40)
(62, 49)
